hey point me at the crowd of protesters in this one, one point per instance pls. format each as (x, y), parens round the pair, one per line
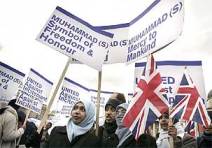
(80, 129)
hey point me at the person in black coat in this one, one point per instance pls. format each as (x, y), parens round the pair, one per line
(205, 140)
(77, 133)
(106, 132)
(126, 138)
(31, 138)
(124, 135)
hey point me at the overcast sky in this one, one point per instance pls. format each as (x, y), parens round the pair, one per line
(22, 20)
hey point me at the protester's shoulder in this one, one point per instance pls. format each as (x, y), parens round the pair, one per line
(101, 128)
(130, 142)
(199, 139)
(146, 140)
(10, 114)
(10, 110)
(188, 137)
(147, 136)
(189, 141)
(61, 129)
(91, 134)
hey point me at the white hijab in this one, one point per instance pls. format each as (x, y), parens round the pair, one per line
(74, 130)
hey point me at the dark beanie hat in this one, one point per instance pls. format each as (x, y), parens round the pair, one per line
(21, 116)
(113, 102)
(13, 105)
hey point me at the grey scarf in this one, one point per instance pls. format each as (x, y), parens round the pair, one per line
(122, 132)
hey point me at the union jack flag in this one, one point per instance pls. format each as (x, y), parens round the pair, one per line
(188, 104)
(191, 129)
(148, 103)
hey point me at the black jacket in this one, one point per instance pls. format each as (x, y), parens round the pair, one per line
(144, 141)
(108, 139)
(205, 141)
(30, 137)
(59, 139)
(129, 142)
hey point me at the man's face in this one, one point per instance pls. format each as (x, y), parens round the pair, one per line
(78, 113)
(119, 115)
(110, 114)
(48, 125)
(164, 121)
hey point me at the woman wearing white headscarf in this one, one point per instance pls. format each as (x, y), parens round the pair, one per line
(77, 133)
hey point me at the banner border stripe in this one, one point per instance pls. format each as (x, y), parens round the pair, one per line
(41, 76)
(84, 22)
(12, 69)
(174, 63)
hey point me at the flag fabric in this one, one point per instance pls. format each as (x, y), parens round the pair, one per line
(188, 104)
(148, 103)
(191, 129)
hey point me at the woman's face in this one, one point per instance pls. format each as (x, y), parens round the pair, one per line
(78, 113)
(164, 121)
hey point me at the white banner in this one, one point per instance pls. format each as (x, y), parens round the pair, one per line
(104, 96)
(70, 93)
(35, 92)
(172, 72)
(75, 38)
(157, 26)
(117, 52)
(10, 80)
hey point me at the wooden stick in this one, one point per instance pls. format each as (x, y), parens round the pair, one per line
(45, 116)
(154, 130)
(171, 140)
(98, 102)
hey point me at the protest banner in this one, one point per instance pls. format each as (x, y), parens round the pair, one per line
(172, 72)
(75, 38)
(35, 92)
(10, 81)
(51, 100)
(70, 93)
(157, 26)
(104, 96)
(117, 52)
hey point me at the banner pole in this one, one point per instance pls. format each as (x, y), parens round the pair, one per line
(171, 140)
(45, 116)
(98, 102)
